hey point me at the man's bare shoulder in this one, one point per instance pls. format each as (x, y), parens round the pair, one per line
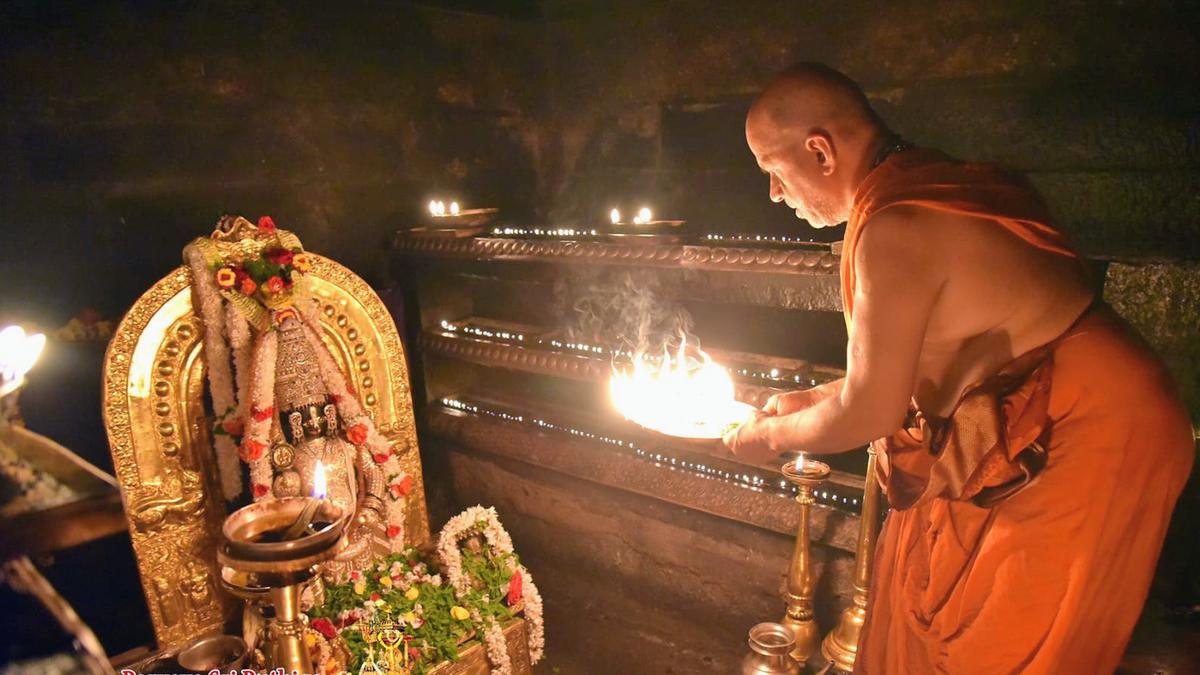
(902, 234)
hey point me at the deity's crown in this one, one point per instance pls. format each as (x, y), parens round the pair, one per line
(298, 383)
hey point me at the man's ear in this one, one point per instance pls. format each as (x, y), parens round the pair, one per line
(820, 146)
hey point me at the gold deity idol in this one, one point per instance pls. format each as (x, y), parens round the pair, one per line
(166, 446)
(312, 434)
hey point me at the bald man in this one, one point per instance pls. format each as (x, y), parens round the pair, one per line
(1031, 446)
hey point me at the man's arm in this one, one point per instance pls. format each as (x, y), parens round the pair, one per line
(795, 401)
(899, 281)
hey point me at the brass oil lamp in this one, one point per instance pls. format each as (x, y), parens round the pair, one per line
(278, 544)
(806, 475)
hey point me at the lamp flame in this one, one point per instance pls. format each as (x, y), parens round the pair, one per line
(454, 208)
(319, 487)
(614, 216)
(643, 216)
(18, 352)
(678, 394)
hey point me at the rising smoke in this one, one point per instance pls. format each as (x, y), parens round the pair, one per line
(629, 309)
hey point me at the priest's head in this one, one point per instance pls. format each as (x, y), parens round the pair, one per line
(814, 134)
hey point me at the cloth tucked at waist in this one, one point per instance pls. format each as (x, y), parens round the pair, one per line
(991, 446)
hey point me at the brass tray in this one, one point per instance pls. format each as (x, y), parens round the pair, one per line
(95, 512)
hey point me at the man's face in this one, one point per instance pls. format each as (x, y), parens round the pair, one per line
(795, 175)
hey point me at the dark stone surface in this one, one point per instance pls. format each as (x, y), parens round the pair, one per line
(129, 128)
(1162, 301)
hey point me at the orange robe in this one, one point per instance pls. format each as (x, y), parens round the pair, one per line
(1025, 528)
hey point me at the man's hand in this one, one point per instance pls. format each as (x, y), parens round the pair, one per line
(753, 441)
(795, 401)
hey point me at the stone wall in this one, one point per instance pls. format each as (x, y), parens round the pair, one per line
(129, 128)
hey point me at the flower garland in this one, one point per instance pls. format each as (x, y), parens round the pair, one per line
(360, 429)
(478, 519)
(496, 646)
(257, 438)
(220, 379)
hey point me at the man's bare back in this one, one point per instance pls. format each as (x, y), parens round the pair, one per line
(999, 298)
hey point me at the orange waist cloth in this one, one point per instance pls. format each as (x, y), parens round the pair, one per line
(1051, 579)
(1026, 526)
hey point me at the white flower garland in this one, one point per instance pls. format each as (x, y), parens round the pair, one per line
(242, 342)
(497, 537)
(220, 379)
(497, 648)
(262, 405)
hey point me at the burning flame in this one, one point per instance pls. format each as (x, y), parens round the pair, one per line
(679, 395)
(454, 208)
(319, 487)
(18, 352)
(614, 216)
(643, 216)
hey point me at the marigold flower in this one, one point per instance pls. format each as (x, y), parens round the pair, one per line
(301, 262)
(459, 613)
(226, 277)
(385, 581)
(274, 284)
(251, 450)
(248, 286)
(357, 434)
(401, 488)
(360, 587)
(266, 224)
(412, 593)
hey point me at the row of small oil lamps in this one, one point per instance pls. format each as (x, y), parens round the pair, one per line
(566, 232)
(773, 375)
(743, 480)
(438, 209)
(760, 238)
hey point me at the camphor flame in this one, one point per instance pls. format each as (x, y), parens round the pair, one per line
(678, 395)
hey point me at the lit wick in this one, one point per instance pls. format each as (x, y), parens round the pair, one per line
(310, 507)
(615, 216)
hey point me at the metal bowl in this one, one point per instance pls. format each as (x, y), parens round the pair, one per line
(220, 652)
(243, 528)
